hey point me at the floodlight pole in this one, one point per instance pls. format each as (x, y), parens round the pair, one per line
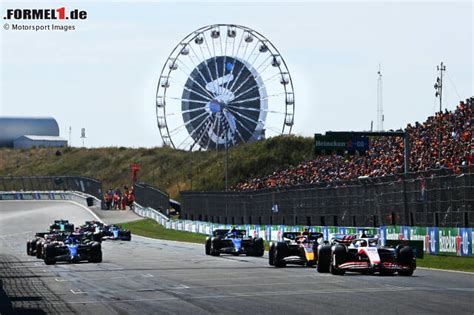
(406, 142)
(226, 161)
(439, 93)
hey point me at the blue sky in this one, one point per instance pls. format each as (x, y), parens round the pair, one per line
(103, 76)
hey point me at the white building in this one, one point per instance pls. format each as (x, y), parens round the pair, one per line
(30, 141)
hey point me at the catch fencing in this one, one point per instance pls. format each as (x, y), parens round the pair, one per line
(83, 184)
(436, 198)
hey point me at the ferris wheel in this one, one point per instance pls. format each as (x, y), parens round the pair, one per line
(223, 85)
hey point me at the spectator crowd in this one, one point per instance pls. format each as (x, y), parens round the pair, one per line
(442, 141)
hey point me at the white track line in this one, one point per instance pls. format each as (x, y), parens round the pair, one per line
(455, 271)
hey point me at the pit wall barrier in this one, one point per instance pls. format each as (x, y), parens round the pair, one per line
(436, 240)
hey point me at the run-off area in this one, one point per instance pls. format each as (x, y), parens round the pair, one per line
(148, 276)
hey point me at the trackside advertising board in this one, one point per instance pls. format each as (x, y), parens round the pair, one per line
(433, 240)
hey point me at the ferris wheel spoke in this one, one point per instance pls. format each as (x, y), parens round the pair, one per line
(220, 40)
(243, 125)
(256, 109)
(205, 63)
(208, 121)
(211, 96)
(260, 74)
(207, 131)
(207, 67)
(237, 55)
(278, 74)
(274, 129)
(196, 92)
(225, 57)
(248, 90)
(187, 100)
(236, 79)
(243, 116)
(250, 67)
(187, 123)
(250, 76)
(193, 132)
(257, 97)
(215, 61)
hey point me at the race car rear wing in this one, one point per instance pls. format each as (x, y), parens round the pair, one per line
(343, 238)
(312, 236)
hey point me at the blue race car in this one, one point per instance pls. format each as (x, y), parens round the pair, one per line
(74, 248)
(234, 242)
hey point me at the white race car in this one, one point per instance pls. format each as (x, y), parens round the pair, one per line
(366, 255)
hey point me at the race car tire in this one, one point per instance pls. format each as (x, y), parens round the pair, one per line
(406, 257)
(49, 253)
(95, 253)
(39, 250)
(281, 251)
(335, 271)
(97, 258)
(126, 236)
(208, 246)
(97, 237)
(259, 247)
(28, 247)
(338, 257)
(215, 247)
(271, 252)
(32, 247)
(324, 258)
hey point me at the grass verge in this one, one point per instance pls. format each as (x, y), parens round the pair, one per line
(150, 228)
(447, 262)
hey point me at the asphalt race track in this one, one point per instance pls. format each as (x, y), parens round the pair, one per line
(147, 276)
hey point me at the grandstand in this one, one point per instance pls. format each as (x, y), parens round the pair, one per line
(385, 156)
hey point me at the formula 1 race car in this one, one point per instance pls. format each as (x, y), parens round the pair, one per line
(31, 245)
(366, 255)
(61, 226)
(234, 242)
(46, 239)
(73, 249)
(115, 232)
(58, 226)
(102, 231)
(296, 248)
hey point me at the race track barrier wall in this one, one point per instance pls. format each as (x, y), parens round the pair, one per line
(83, 184)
